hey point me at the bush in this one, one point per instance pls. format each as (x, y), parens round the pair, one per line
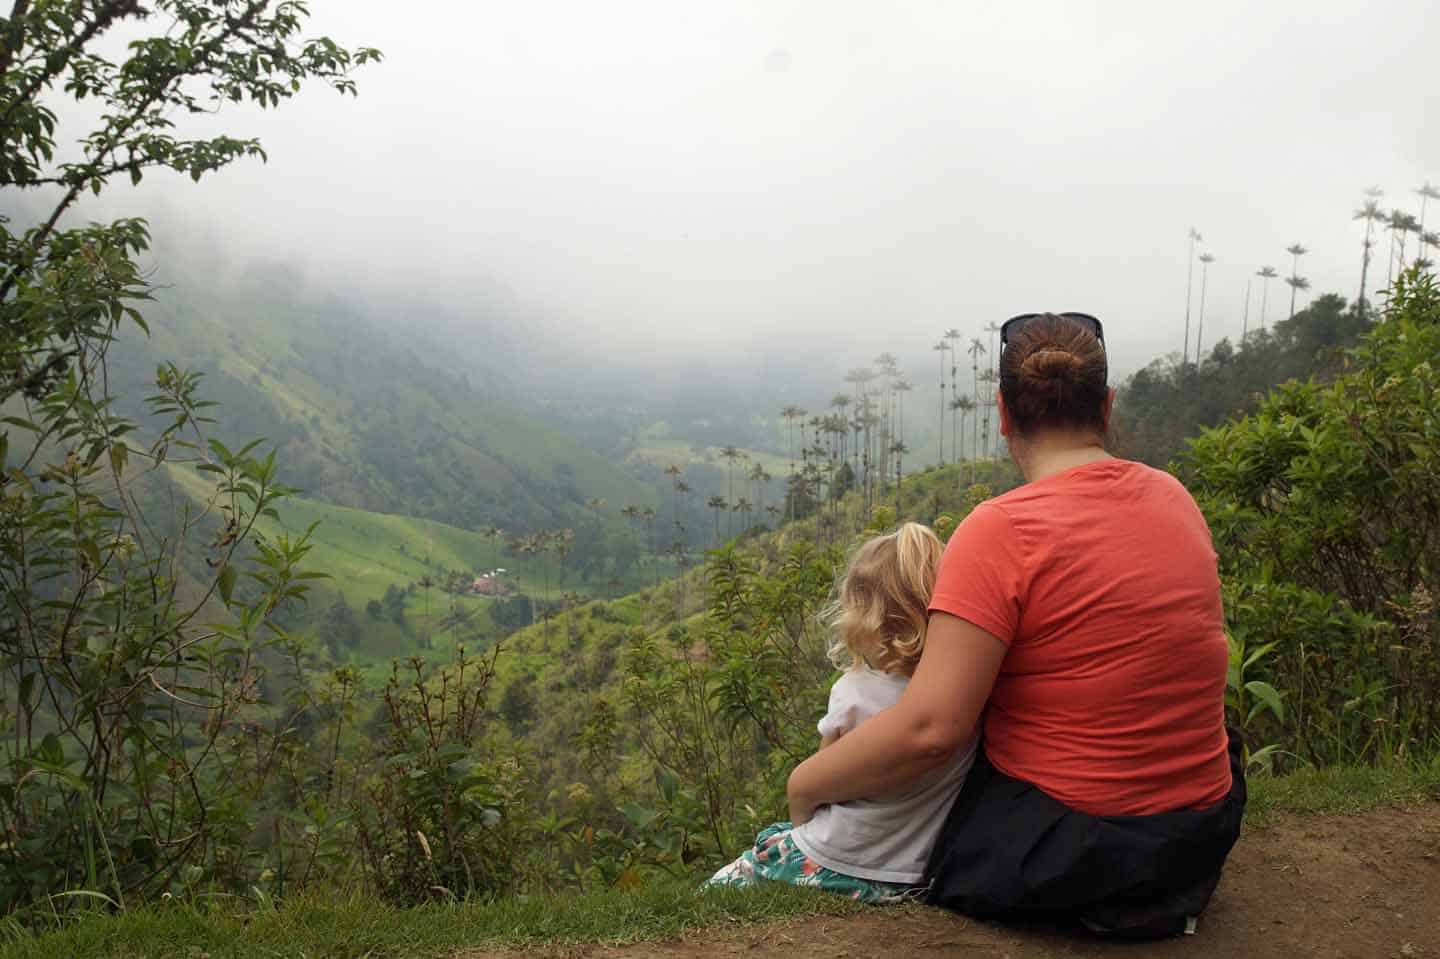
(1325, 510)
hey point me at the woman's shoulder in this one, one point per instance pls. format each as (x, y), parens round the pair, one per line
(1109, 476)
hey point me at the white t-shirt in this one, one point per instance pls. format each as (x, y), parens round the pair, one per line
(886, 840)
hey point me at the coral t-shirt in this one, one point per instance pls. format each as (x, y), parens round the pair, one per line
(1102, 582)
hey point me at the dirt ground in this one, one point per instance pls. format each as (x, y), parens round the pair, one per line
(1327, 886)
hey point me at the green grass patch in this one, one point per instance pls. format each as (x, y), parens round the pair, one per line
(330, 927)
(1342, 789)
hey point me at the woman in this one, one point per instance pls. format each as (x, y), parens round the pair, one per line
(1084, 608)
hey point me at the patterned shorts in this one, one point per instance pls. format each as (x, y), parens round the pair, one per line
(775, 857)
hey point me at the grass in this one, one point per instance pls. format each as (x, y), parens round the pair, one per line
(1341, 790)
(324, 925)
(327, 927)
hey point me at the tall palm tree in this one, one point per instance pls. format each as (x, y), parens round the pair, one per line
(647, 516)
(759, 478)
(718, 504)
(682, 491)
(992, 329)
(790, 414)
(954, 336)
(1406, 225)
(744, 507)
(1245, 317)
(940, 348)
(1394, 222)
(977, 350)
(1266, 273)
(1431, 240)
(730, 455)
(1426, 193)
(902, 386)
(960, 408)
(989, 378)
(1296, 251)
(1296, 284)
(1370, 213)
(674, 471)
(1195, 237)
(898, 449)
(1205, 260)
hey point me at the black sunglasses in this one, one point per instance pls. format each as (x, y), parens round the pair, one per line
(1085, 319)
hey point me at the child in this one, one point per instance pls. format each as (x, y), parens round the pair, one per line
(871, 850)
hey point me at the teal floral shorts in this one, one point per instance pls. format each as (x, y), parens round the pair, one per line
(776, 858)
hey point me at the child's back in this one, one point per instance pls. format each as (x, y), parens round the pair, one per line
(887, 840)
(872, 850)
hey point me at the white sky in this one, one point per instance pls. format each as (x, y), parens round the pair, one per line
(658, 175)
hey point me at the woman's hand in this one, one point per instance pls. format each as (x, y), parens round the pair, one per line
(934, 718)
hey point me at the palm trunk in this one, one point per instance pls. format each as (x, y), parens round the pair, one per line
(1189, 287)
(1364, 269)
(1245, 321)
(1200, 327)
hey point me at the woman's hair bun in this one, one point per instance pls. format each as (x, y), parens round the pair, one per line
(1051, 365)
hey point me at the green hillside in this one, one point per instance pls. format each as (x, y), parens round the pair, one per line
(373, 412)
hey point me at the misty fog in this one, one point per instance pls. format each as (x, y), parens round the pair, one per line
(649, 180)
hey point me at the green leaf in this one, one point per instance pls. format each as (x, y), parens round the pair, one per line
(1268, 696)
(226, 582)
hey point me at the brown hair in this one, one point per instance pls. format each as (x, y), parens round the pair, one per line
(882, 602)
(1053, 376)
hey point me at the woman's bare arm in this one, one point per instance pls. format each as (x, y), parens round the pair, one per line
(934, 717)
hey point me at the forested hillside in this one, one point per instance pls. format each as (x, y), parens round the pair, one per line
(1165, 404)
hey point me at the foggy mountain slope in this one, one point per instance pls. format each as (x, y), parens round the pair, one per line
(379, 413)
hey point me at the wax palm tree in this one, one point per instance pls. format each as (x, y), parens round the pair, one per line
(731, 455)
(977, 350)
(1296, 284)
(682, 490)
(1431, 240)
(1370, 213)
(1406, 225)
(1296, 251)
(902, 386)
(960, 408)
(898, 449)
(1195, 237)
(790, 414)
(744, 507)
(954, 336)
(1266, 273)
(1245, 317)
(1426, 193)
(1205, 260)
(940, 348)
(718, 504)
(1394, 222)
(675, 471)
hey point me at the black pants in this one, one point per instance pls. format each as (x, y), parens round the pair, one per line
(1008, 851)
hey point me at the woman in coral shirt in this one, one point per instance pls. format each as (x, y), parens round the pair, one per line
(1081, 612)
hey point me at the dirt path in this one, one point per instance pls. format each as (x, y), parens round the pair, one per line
(1326, 886)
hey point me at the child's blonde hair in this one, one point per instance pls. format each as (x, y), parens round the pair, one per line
(882, 602)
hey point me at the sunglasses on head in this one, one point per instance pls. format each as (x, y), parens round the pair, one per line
(1016, 323)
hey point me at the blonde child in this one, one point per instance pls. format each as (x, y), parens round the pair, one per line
(872, 850)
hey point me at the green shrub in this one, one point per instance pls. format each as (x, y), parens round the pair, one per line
(1325, 511)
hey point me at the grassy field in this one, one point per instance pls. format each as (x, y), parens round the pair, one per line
(349, 925)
